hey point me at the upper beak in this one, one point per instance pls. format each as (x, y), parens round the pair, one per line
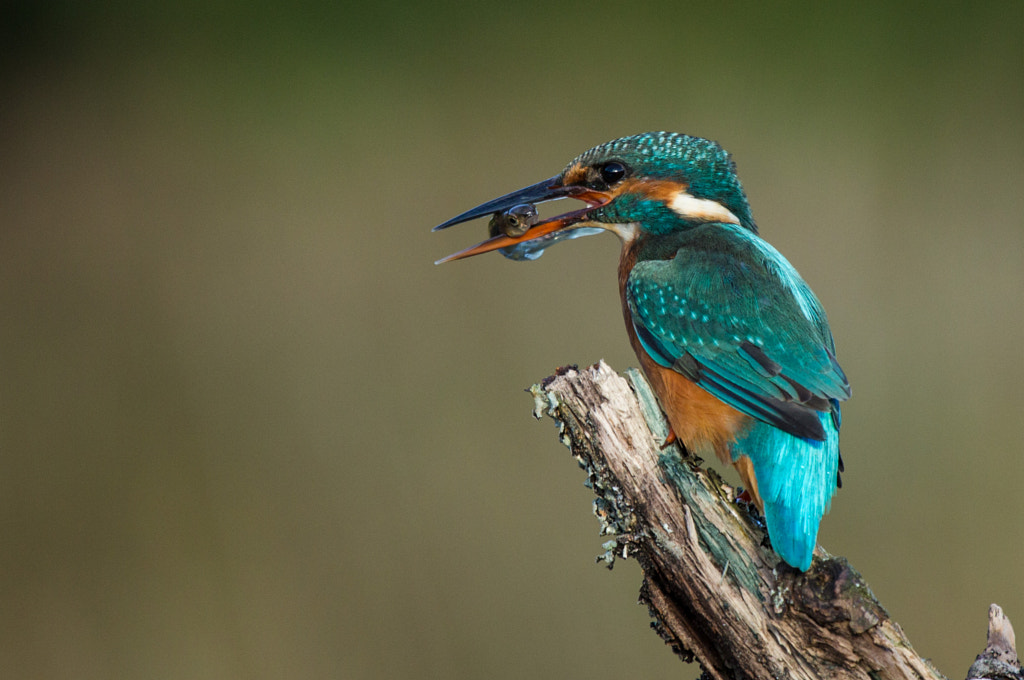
(550, 189)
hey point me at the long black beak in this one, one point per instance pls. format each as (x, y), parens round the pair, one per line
(550, 189)
(542, 233)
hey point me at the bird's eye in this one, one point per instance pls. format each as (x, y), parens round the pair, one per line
(613, 172)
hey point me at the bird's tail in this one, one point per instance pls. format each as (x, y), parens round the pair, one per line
(796, 479)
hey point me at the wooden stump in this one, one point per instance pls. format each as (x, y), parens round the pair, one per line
(717, 592)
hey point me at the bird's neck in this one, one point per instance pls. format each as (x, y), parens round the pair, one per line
(627, 260)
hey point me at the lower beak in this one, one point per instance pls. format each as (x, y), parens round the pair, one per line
(549, 190)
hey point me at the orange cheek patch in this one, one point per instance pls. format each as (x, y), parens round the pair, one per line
(656, 189)
(661, 190)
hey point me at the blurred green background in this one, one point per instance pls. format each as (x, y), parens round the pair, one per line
(249, 430)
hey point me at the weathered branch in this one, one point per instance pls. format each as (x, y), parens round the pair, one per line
(717, 592)
(999, 660)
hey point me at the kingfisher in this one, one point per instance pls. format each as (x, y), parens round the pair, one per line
(733, 341)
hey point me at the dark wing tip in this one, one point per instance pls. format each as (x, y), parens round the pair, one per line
(795, 418)
(770, 366)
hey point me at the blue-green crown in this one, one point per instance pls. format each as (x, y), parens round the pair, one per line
(702, 164)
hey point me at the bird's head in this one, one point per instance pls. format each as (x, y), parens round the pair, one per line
(652, 184)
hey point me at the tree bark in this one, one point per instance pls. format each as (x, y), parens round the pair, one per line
(717, 592)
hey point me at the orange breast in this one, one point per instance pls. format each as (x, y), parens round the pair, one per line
(703, 422)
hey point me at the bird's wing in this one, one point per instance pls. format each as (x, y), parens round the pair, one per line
(731, 314)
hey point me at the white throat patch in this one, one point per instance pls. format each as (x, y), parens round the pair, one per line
(626, 232)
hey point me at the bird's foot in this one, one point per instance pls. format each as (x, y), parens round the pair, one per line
(746, 500)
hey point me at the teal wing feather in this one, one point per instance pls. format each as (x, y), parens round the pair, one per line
(731, 314)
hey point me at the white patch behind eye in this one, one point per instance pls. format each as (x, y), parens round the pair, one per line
(692, 208)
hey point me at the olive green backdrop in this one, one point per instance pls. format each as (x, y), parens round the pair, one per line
(249, 430)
